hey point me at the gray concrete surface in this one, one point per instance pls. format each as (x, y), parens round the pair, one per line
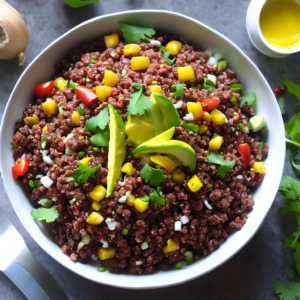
(250, 273)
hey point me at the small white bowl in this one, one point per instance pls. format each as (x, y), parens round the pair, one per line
(256, 36)
(42, 69)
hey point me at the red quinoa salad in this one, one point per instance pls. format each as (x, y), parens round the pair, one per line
(143, 153)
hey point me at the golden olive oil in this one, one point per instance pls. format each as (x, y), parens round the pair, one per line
(280, 23)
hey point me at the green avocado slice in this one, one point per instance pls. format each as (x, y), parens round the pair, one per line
(183, 152)
(116, 150)
(170, 114)
(157, 117)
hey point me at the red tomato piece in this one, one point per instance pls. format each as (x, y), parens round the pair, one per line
(20, 168)
(87, 96)
(44, 88)
(244, 150)
(210, 104)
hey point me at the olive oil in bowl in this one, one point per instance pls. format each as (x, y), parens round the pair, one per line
(280, 23)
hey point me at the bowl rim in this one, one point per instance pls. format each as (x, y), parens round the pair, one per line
(118, 283)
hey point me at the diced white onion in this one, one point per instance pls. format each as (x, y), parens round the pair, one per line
(121, 183)
(111, 224)
(23, 155)
(209, 52)
(47, 160)
(46, 182)
(45, 152)
(138, 263)
(122, 199)
(239, 177)
(177, 226)
(217, 56)
(105, 243)
(49, 99)
(39, 176)
(80, 245)
(54, 198)
(155, 43)
(72, 200)
(191, 132)
(45, 202)
(212, 78)
(188, 117)
(184, 219)
(70, 135)
(128, 193)
(178, 104)
(248, 179)
(207, 204)
(86, 239)
(212, 61)
(69, 179)
(56, 159)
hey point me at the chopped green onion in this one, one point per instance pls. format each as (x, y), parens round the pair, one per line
(96, 149)
(124, 72)
(189, 257)
(81, 154)
(117, 70)
(190, 127)
(125, 231)
(261, 145)
(72, 201)
(81, 111)
(76, 184)
(44, 143)
(144, 246)
(71, 84)
(233, 99)
(93, 59)
(121, 206)
(244, 128)
(101, 269)
(31, 184)
(59, 107)
(209, 186)
(94, 257)
(88, 80)
(238, 87)
(15, 146)
(138, 263)
(180, 264)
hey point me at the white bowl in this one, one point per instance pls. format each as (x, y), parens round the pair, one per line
(42, 69)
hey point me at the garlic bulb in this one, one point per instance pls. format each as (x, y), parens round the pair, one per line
(13, 33)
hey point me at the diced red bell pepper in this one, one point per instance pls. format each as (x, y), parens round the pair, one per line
(44, 88)
(210, 104)
(20, 168)
(244, 150)
(87, 96)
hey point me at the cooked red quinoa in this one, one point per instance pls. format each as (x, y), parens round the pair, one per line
(230, 197)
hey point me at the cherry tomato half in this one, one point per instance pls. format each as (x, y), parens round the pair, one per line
(20, 168)
(244, 150)
(86, 95)
(44, 88)
(210, 104)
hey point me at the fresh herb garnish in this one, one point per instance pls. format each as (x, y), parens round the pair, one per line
(133, 34)
(93, 59)
(81, 154)
(281, 103)
(83, 173)
(139, 103)
(98, 122)
(292, 129)
(208, 85)
(286, 291)
(166, 55)
(292, 88)
(261, 145)
(244, 128)
(44, 143)
(225, 166)
(59, 107)
(43, 213)
(144, 198)
(156, 198)
(250, 99)
(154, 176)
(238, 87)
(125, 231)
(101, 138)
(233, 100)
(71, 84)
(81, 111)
(34, 183)
(177, 90)
(190, 127)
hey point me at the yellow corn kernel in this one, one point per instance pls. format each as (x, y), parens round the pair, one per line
(178, 177)
(96, 205)
(185, 73)
(60, 83)
(132, 49)
(110, 78)
(50, 107)
(130, 200)
(98, 193)
(76, 118)
(140, 63)
(140, 205)
(164, 162)
(172, 245)
(161, 66)
(259, 167)
(195, 108)
(202, 129)
(207, 116)
(85, 161)
(128, 169)
(154, 88)
(32, 120)
(106, 253)
(216, 142)
(94, 218)
(45, 128)
(217, 117)
(103, 92)
(195, 184)
(111, 41)
(174, 47)
(81, 137)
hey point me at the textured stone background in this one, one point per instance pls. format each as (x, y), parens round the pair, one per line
(250, 273)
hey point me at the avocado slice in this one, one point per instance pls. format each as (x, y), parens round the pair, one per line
(222, 65)
(183, 152)
(116, 150)
(257, 123)
(139, 129)
(170, 114)
(157, 117)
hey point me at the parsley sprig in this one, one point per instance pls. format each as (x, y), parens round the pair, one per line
(156, 197)
(154, 176)
(43, 213)
(139, 103)
(83, 173)
(133, 34)
(225, 166)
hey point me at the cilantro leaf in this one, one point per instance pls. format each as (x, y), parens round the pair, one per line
(291, 206)
(81, 111)
(98, 122)
(83, 173)
(292, 88)
(289, 188)
(292, 128)
(139, 103)
(238, 87)
(250, 99)
(178, 90)
(43, 213)
(144, 198)
(156, 198)
(290, 274)
(100, 139)
(208, 85)
(286, 291)
(290, 153)
(281, 103)
(154, 176)
(166, 55)
(297, 254)
(225, 166)
(190, 127)
(60, 109)
(133, 34)
(71, 84)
